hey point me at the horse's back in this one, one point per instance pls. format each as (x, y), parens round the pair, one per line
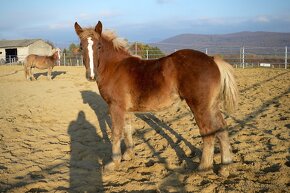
(193, 61)
(30, 57)
(41, 62)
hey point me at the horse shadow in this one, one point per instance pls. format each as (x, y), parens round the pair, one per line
(54, 74)
(162, 128)
(85, 169)
(100, 107)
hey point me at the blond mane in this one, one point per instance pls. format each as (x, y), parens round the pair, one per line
(109, 35)
(118, 43)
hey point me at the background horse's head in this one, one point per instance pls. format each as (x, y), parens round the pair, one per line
(56, 53)
(90, 42)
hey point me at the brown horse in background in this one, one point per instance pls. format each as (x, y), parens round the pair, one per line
(130, 84)
(40, 62)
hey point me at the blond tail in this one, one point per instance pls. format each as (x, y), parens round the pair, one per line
(229, 89)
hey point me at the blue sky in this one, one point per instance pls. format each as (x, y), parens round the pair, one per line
(144, 21)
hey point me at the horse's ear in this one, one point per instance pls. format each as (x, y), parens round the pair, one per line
(78, 28)
(99, 27)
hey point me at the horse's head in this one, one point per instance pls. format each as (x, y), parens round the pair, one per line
(56, 55)
(90, 45)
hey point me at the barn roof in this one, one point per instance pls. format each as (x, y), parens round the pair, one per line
(17, 43)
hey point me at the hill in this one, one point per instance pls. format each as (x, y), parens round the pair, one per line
(247, 39)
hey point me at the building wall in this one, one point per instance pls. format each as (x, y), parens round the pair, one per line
(22, 52)
(40, 47)
(2, 55)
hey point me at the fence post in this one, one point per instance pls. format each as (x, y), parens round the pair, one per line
(147, 54)
(286, 57)
(205, 50)
(136, 48)
(64, 59)
(243, 57)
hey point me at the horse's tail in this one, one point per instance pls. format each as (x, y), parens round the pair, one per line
(229, 89)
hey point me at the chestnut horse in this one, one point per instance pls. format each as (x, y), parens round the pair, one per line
(41, 62)
(130, 84)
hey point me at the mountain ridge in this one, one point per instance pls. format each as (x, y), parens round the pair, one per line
(238, 39)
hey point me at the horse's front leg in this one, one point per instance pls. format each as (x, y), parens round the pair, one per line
(129, 153)
(49, 73)
(117, 116)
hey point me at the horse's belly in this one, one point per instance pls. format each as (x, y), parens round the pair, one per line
(43, 66)
(156, 103)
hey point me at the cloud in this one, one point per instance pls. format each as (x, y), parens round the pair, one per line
(164, 1)
(61, 25)
(107, 13)
(85, 16)
(262, 19)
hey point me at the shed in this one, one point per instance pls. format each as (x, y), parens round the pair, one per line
(17, 50)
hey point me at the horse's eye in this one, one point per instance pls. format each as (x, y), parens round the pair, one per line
(99, 45)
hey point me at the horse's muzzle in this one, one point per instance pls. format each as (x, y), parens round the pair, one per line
(89, 78)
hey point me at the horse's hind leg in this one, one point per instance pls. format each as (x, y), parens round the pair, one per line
(211, 124)
(31, 74)
(26, 71)
(129, 153)
(117, 115)
(223, 138)
(204, 122)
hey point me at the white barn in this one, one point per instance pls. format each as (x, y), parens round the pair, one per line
(12, 51)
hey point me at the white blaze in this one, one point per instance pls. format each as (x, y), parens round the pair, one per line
(91, 56)
(58, 52)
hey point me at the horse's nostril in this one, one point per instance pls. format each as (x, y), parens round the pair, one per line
(89, 78)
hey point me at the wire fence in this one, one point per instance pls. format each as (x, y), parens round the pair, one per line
(239, 57)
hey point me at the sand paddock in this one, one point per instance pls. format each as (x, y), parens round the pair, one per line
(54, 137)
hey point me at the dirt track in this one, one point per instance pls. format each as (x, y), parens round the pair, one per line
(54, 137)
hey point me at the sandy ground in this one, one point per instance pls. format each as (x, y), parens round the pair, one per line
(55, 137)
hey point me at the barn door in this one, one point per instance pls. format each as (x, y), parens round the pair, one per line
(11, 55)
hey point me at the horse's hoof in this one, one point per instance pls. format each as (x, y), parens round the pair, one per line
(224, 171)
(203, 168)
(128, 155)
(110, 167)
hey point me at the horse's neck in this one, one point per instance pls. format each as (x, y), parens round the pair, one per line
(52, 57)
(109, 60)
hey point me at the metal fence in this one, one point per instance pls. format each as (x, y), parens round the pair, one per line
(240, 57)
(245, 57)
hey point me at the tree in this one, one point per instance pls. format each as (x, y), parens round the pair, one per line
(65, 51)
(146, 51)
(74, 49)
